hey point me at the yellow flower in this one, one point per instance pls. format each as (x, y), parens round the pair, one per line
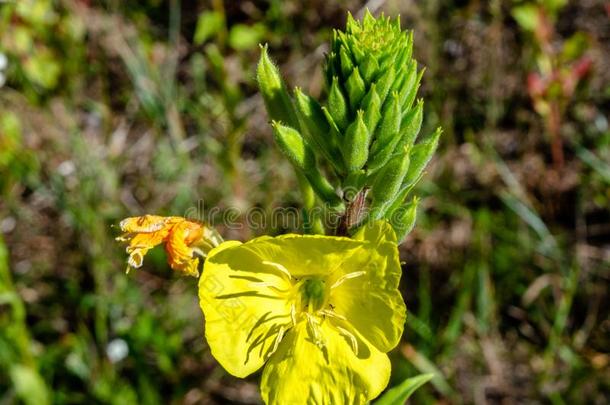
(183, 239)
(320, 311)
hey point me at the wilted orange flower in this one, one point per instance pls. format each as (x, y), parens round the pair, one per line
(184, 239)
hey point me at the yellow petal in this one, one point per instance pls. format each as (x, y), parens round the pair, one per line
(140, 244)
(300, 372)
(179, 252)
(371, 301)
(305, 255)
(147, 223)
(243, 316)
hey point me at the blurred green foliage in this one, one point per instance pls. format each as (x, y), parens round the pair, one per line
(112, 109)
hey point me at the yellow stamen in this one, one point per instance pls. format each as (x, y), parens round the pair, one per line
(347, 276)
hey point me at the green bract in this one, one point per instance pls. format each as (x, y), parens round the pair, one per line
(364, 133)
(319, 312)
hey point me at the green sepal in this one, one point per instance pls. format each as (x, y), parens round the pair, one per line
(356, 144)
(389, 128)
(403, 219)
(420, 156)
(337, 105)
(372, 109)
(355, 88)
(410, 126)
(277, 100)
(296, 149)
(387, 183)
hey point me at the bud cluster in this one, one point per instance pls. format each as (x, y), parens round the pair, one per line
(364, 133)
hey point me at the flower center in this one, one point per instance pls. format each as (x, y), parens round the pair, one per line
(313, 294)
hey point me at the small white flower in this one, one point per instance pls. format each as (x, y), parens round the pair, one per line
(117, 350)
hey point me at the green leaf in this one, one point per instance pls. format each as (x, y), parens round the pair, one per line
(243, 37)
(356, 145)
(554, 5)
(601, 167)
(574, 47)
(29, 386)
(526, 16)
(277, 100)
(399, 394)
(209, 24)
(43, 68)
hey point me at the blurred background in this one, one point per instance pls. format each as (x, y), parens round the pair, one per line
(118, 108)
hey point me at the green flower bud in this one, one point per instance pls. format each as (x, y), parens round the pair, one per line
(316, 128)
(385, 83)
(355, 88)
(389, 128)
(410, 126)
(366, 129)
(387, 184)
(346, 62)
(356, 145)
(277, 100)
(293, 146)
(337, 106)
(409, 92)
(420, 156)
(372, 107)
(296, 149)
(369, 68)
(403, 219)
